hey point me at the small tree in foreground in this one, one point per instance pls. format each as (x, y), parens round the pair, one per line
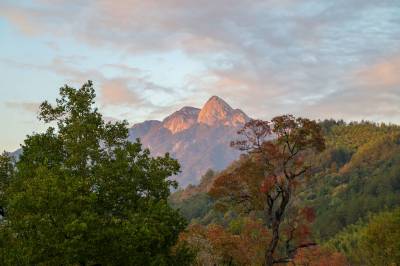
(279, 158)
(81, 194)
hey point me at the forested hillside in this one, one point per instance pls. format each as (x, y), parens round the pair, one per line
(357, 175)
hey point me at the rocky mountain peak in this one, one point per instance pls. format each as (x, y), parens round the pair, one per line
(214, 110)
(181, 120)
(198, 138)
(217, 111)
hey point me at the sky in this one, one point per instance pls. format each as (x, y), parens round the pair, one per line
(313, 58)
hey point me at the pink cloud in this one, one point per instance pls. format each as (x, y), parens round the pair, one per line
(117, 92)
(21, 18)
(382, 74)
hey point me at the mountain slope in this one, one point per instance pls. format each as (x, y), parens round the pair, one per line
(358, 174)
(198, 138)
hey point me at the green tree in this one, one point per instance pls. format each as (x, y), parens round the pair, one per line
(83, 195)
(6, 171)
(375, 243)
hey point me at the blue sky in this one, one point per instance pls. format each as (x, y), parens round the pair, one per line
(320, 59)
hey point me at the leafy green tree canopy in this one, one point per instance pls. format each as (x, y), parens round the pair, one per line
(81, 194)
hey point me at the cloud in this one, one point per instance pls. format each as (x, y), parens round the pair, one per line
(353, 105)
(117, 92)
(268, 57)
(123, 88)
(126, 69)
(32, 107)
(370, 93)
(192, 25)
(111, 119)
(21, 18)
(382, 74)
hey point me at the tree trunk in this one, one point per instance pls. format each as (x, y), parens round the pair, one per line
(277, 219)
(269, 254)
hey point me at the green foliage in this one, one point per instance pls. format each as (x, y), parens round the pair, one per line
(374, 243)
(6, 172)
(194, 207)
(194, 203)
(83, 195)
(359, 173)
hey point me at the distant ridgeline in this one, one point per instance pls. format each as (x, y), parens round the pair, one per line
(357, 175)
(198, 138)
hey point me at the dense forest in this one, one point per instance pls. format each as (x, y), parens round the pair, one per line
(302, 193)
(354, 190)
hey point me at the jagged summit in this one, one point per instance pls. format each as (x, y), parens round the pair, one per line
(213, 111)
(218, 102)
(198, 138)
(182, 119)
(216, 110)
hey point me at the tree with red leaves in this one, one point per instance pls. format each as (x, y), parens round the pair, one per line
(217, 245)
(278, 159)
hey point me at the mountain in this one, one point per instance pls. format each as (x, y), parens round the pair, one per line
(198, 138)
(15, 154)
(216, 112)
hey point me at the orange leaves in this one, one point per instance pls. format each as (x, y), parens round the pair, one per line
(299, 133)
(299, 162)
(318, 256)
(255, 133)
(223, 185)
(268, 184)
(302, 233)
(308, 214)
(239, 185)
(279, 147)
(270, 147)
(216, 245)
(297, 229)
(265, 179)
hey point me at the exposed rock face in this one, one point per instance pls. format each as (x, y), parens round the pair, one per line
(181, 120)
(143, 128)
(217, 111)
(199, 139)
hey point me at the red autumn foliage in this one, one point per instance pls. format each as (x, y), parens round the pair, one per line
(308, 213)
(216, 245)
(268, 183)
(318, 256)
(278, 158)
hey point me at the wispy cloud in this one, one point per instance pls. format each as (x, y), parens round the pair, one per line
(382, 75)
(123, 90)
(316, 58)
(32, 107)
(117, 92)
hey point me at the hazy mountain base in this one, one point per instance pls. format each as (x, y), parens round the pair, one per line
(358, 174)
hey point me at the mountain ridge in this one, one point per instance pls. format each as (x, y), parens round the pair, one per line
(198, 138)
